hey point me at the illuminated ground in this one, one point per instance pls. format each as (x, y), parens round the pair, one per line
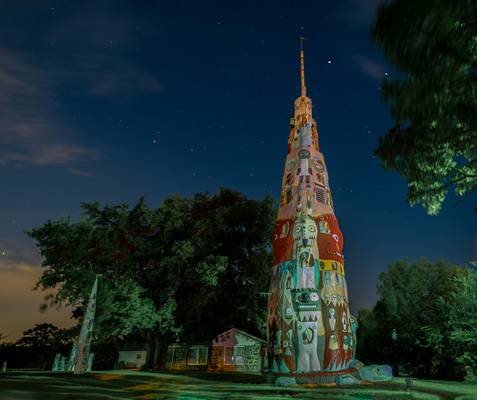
(143, 385)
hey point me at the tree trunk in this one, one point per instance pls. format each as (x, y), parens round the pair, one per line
(150, 350)
(157, 352)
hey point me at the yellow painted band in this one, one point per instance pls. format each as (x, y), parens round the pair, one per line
(332, 265)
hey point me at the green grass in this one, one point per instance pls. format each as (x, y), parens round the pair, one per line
(209, 386)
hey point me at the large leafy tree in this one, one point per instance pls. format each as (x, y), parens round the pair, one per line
(184, 271)
(44, 335)
(234, 233)
(433, 44)
(463, 321)
(410, 326)
(102, 242)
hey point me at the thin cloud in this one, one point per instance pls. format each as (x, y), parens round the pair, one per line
(81, 172)
(32, 131)
(109, 76)
(95, 61)
(32, 128)
(369, 68)
(96, 28)
(126, 81)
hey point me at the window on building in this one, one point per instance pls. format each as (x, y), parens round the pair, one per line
(229, 355)
(239, 355)
(235, 355)
(197, 355)
(203, 353)
(180, 354)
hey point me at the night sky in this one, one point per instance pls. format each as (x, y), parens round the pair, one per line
(111, 100)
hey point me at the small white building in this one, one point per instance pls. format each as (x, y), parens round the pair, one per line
(131, 359)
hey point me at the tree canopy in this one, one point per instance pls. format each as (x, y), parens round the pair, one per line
(424, 322)
(433, 44)
(44, 335)
(38, 345)
(186, 270)
(463, 320)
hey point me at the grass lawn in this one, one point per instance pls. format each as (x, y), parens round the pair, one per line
(152, 385)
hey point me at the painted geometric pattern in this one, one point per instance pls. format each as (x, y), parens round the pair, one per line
(310, 326)
(252, 357)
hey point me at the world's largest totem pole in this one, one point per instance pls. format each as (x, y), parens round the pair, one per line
(311, 331)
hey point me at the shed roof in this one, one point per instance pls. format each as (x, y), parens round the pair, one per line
(235, 331)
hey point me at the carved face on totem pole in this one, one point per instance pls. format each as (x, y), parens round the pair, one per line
(305, 247)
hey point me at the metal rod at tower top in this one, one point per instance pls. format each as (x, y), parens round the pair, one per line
(302, 67)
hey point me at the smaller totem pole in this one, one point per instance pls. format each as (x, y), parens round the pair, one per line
(82, 362)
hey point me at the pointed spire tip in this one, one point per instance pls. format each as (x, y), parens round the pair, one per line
(302, 67)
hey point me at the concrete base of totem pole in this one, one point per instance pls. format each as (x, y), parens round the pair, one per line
(356, 374)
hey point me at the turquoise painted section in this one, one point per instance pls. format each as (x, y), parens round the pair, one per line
(376, 373)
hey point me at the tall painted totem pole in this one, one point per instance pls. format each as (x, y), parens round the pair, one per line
(311, 331)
